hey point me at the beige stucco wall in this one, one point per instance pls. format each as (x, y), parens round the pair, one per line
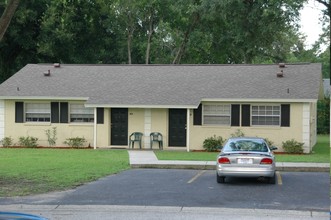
(147, 121)
(156, 120)
(276, 134)
(103, 130)
(37, 129)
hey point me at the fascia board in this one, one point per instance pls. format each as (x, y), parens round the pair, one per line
(140, 106)
(44, 98)
(260, 100)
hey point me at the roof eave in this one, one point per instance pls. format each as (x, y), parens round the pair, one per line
(141, 106)
(44, 98)
(258, 100)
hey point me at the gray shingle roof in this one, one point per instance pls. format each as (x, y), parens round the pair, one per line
(164, 85)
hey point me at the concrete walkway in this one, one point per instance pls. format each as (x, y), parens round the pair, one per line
(147, 159)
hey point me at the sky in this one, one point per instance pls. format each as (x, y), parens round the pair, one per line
(310, 24)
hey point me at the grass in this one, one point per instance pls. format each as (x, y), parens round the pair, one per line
(34, 171)
(320, 154)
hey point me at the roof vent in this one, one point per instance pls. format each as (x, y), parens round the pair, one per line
(57, 65)
(281, 65)
(48, 73)
(280, 74)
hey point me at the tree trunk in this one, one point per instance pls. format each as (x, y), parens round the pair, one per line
(129, 47)
(149, 39)
(7, 16)
(182, 47)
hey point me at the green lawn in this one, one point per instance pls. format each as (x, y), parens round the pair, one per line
(34, 171)
(320, 154)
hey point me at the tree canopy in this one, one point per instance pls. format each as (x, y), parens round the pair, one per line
(157, 32)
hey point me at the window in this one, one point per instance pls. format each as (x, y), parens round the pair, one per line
(38, 112)
(78, 113)
(266, 115)
(216, 114)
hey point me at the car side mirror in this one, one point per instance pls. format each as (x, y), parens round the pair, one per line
(273, 148)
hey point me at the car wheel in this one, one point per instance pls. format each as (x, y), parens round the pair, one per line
(272, 180)
(220, 179)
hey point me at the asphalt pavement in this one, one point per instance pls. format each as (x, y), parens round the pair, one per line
(147, 159)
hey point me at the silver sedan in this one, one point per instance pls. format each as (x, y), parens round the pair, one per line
(246, 157)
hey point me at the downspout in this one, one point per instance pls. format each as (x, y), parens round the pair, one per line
(188, 130)
(95, 129)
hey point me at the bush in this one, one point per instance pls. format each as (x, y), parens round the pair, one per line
(323, 116)
(238, 133)
(51, 136)
(75, 142)
(7, 141)
(292, 146)
(28, 141)
(213, 143)
(269, 142)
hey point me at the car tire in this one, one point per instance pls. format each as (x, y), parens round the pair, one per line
(272, 180)
(220, 179)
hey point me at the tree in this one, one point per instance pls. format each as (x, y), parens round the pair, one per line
(126, 12)
(7, 16)
(74, 32)
(250, 28)
(16, 51)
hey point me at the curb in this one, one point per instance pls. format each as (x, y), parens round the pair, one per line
(284, 168)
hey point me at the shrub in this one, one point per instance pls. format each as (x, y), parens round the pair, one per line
(75, 142)
(213, 143)
(51, 136)
(292, 146)
(7, 141)
(238, 133)
(269, 142)
(323, 116)
(28, 141)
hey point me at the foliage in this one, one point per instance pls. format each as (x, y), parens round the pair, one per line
(320, 154)
(213, 143)
(156, 31)
(75, 142)
(16, 51)
(28, 141)
(292, 146)
(238, 133)
(34, 171)
(7, 142)
(323, 116)
(51, 136)
(7, 16)
(269, 142)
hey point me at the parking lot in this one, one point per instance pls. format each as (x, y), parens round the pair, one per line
(194, 188)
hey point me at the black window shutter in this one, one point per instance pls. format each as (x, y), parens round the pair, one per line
(100, 115)
(285, 115)
(55, 112)
(197, 115)
(245, 115)
(235, 115)
(19, 112)
(64, 112)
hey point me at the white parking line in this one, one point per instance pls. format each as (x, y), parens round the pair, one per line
(279, 178)
(196, 176)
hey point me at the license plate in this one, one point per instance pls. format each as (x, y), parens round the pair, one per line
(245, 161)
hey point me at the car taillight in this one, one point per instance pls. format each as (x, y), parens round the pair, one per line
(266, 161)
(223, 160)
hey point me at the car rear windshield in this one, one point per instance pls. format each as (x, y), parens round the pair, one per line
(246, 145)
